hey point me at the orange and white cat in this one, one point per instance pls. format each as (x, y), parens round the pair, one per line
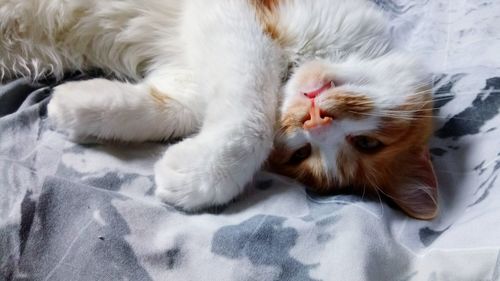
(316, 88)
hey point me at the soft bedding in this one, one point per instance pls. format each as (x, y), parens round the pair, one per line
(86, 212)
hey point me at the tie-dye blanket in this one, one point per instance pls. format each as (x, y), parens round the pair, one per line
(85, 212)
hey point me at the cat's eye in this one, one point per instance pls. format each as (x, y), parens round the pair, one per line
(366, 144)
(300, 155)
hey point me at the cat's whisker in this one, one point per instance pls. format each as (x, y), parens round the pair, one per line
(447, 118)
(461, 93)
(427, 91)
(383, 115)
(410, 118)
(434, 99)
(380, 199)
(364, 190)
(457, 94)
(395, 111)
(471, 92)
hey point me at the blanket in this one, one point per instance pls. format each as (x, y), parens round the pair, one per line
(87, 212)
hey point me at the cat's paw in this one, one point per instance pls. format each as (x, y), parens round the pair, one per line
(76, 108)
(65, 112)
(192, 176)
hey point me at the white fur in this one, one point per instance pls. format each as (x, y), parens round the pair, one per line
(217, 70)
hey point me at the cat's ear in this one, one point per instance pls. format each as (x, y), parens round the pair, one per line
(416, 191)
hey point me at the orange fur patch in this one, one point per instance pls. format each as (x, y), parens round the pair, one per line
(347, 104)
(293, 118)
(266, 11)
(159, 97)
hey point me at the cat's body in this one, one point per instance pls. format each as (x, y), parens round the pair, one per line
(213, 71)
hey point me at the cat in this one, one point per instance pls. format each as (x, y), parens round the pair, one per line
(314, 90)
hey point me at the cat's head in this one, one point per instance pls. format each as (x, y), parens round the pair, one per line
(360, 125)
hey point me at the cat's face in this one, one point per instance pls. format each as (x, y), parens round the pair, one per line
(360, 125)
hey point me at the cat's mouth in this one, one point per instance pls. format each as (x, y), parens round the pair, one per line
(314, 93)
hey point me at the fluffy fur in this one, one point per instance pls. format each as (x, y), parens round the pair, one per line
(212, 71)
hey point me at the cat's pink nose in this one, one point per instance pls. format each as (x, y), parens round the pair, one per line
(315, 118)
(315, 93)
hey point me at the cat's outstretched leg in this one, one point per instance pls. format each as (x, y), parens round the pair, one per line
(240, 70)
(114, 110)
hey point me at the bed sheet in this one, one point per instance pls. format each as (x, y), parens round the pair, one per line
(86, 212)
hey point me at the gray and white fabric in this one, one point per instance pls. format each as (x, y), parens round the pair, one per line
(86, 212)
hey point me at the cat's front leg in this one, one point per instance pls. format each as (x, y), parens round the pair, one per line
(240, 69)
(159, 108)
(213, 167)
